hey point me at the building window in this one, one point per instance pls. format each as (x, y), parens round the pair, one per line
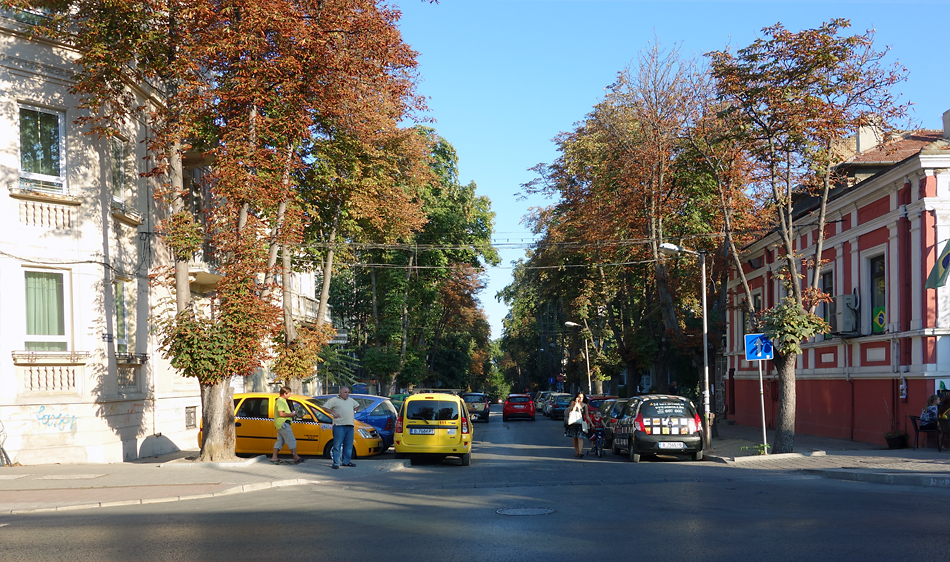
(119, 160)
(827, 285)
(45, 311)
(191, 417)
(42, 150)
(121, 318)
(878, 294)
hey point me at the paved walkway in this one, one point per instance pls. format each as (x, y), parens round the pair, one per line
(174, 477)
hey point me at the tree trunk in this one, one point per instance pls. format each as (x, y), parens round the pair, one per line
(597, 387)
(287, 299)
(784, 441)
(328, 271)
(217, 421)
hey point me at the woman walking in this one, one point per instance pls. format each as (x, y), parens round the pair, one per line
(574, 417)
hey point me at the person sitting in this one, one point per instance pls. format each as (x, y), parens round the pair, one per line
(943, 410)
(928, 416)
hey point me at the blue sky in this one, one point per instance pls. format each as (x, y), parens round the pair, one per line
(503, 77)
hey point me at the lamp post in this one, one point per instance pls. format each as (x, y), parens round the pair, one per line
(586, 355)
(673, 249)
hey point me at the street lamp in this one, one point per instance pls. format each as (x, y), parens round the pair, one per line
(672, 250)
(586, 354)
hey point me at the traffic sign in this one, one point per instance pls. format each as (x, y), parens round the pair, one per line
(560, 378)
(550, 380)
(758, 347)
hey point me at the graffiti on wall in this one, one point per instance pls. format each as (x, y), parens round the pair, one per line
(57, 420)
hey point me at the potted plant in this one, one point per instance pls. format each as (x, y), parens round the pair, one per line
(896, 437)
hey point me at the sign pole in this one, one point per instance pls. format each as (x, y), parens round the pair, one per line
(765, 442)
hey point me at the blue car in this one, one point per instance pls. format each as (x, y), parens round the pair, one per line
(378, 411)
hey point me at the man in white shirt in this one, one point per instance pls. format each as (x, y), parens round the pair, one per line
(342, 408)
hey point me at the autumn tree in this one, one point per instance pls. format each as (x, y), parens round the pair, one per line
(251, 86)
(793, 96)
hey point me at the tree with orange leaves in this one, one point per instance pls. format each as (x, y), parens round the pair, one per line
(792, 97)
(251, 87)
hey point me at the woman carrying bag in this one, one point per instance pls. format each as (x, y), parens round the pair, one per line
(575, 422)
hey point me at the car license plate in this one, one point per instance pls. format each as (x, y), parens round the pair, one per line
(672, 445)
(450, 431)
(421, 431)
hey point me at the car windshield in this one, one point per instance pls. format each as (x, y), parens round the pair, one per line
(665, 408)
(432, 410)
(595, 403)
(474, 398)
(519, 399)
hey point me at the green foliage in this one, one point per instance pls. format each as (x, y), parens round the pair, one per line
(788, 325)
(299, 360)
(197, 347)
(183, 234)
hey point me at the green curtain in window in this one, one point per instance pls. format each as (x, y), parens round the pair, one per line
(44, 304)
(39, 142)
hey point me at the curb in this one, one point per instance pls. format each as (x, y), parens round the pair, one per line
(891, 478)
(182, 463)
(760, 458)
(226, 492)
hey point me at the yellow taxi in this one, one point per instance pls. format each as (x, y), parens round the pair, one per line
(434, 424)
(313, 427)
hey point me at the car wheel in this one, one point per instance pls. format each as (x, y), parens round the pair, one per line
(698, 456)
(532, 418)
(326, 450)
(504, 418)
(634, 456)
(614, 449)
(466, 459)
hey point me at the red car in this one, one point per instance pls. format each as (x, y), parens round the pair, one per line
(518, 405)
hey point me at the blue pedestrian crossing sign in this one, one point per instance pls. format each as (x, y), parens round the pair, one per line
(757, 347)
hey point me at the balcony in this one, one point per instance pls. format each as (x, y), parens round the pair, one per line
(203, 269)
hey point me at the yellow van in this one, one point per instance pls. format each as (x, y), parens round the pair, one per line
(434, 424)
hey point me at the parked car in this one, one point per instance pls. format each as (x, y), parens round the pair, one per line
(610, 411)
(594, 402)
(478, 405)
(559, 405)
(549, 402)
(539, 400)
(434, 424)
(378, 411)
(518, 406)
(660, 424)
(256, 433)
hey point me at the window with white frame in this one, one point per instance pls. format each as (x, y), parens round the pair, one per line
(826, 283)
(121, 317)
(46, 326)
(119, 169)
(42, 150)
(878, 293)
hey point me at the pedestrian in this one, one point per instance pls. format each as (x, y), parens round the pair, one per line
(928, 417)
(342, 408)
(285, 433)
(674, 388)
(575, 417)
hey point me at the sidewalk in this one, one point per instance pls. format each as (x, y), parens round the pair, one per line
(835, 458)
(173, 477)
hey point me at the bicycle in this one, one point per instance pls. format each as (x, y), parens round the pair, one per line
(596, 438)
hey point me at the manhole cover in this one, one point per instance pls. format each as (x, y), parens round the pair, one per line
(525, 511)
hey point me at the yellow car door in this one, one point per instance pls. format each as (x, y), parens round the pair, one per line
(312, 428)
(254, 426)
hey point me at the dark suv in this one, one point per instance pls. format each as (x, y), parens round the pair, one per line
(659, 424)
(478, 405)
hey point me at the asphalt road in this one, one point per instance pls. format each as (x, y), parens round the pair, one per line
(607, 509)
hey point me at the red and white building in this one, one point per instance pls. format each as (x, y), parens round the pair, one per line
(890, 345)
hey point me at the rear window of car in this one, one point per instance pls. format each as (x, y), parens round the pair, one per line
(595, 403)
(665, 408)
(475, 399)
(563, 399)
(519, 399)
(432, 410)
(384, 407)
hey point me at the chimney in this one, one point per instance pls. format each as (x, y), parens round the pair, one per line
(946, 125)
(869, 136)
